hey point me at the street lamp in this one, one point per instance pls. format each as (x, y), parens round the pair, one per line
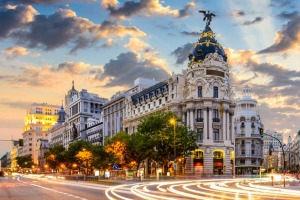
(173, 122)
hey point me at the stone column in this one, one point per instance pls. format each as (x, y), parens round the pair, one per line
(192, 119)
(227, 124)
(210, 128)
(188, 118)
(224, 135)
(205, 130)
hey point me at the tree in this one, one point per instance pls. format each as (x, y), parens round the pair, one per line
(84, 156)
(25, 161)
(55, 156)
(161, 137)
(117, 146)
(139, 148)
(74, 148)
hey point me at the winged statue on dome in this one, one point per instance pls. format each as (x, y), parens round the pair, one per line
(207, 16)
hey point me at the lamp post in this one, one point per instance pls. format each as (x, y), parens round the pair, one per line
(173, 122)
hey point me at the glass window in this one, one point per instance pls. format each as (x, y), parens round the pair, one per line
(199, 115)
(216, 134)
(216, 90)
(200, 133)
(199, 91)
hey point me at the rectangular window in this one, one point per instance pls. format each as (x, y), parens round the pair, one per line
(216, 134)
(166, 99)
(243, 152)
(216, 115)
(159, 101)
(85, 106)
(199, 115)
(216, 92)
(200, 134)
(199, 91)
(242, 162)
(252, 151)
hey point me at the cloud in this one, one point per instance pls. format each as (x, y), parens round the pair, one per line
(287, 38)
(15, 17)
(181, 53)
(144, 7)
(109, 42)
(288, 15)
(127, 67)
(256, 20)
(16, 51)
(186, 10)
(109, 3)
(281, 3)
(78, 68)
(43, 31)
(196, 34)
(47, 2)
(237, 13)
(135, 45)
(15, 104)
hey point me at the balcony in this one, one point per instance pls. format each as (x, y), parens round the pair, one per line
(255, 136)
(216, 119)
(199, 120)
(218, 141)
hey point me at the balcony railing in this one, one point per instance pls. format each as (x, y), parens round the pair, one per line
(218, 141)
(216, 119)
(199, 119)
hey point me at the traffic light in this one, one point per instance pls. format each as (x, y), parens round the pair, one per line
(21, 142)
(261, 132)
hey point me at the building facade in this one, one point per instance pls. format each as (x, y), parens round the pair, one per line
(38, 121)
(56, 133)
(94, 131)
(294, 156)
(248, 142)
(114, 110)
(82, 105)
(274, 162)
(202, 98)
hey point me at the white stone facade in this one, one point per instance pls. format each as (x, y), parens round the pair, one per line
(114, 110)
(248, 142)
(201, 97)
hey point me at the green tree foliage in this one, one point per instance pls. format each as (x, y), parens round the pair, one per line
(55, 156)
(25, 161)
(161, 133)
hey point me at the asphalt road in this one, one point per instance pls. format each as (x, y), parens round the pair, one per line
(34, 188)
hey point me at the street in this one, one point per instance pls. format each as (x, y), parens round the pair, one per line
(21, 187)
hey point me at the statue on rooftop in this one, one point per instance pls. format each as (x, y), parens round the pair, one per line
(207, 16)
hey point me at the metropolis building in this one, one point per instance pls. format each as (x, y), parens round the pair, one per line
(201, 97)
(248, 142)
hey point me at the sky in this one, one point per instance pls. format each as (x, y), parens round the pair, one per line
(104, 45)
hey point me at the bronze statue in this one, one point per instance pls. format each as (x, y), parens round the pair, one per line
(74, 131)
(207, 16)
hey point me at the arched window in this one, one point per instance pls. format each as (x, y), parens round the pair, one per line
(218, 155)
(242, 119)
(252, 119)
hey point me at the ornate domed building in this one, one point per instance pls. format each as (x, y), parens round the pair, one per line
(202, 98)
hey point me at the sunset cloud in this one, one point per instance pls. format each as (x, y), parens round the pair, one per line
(16, 51)
(43, 31)
(146, 8)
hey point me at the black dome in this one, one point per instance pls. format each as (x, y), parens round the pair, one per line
(206, 44)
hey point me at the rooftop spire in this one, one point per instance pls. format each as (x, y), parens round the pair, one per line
(73, 85)
(62, 103)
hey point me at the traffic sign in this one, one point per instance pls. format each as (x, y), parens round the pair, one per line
(116, 167)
